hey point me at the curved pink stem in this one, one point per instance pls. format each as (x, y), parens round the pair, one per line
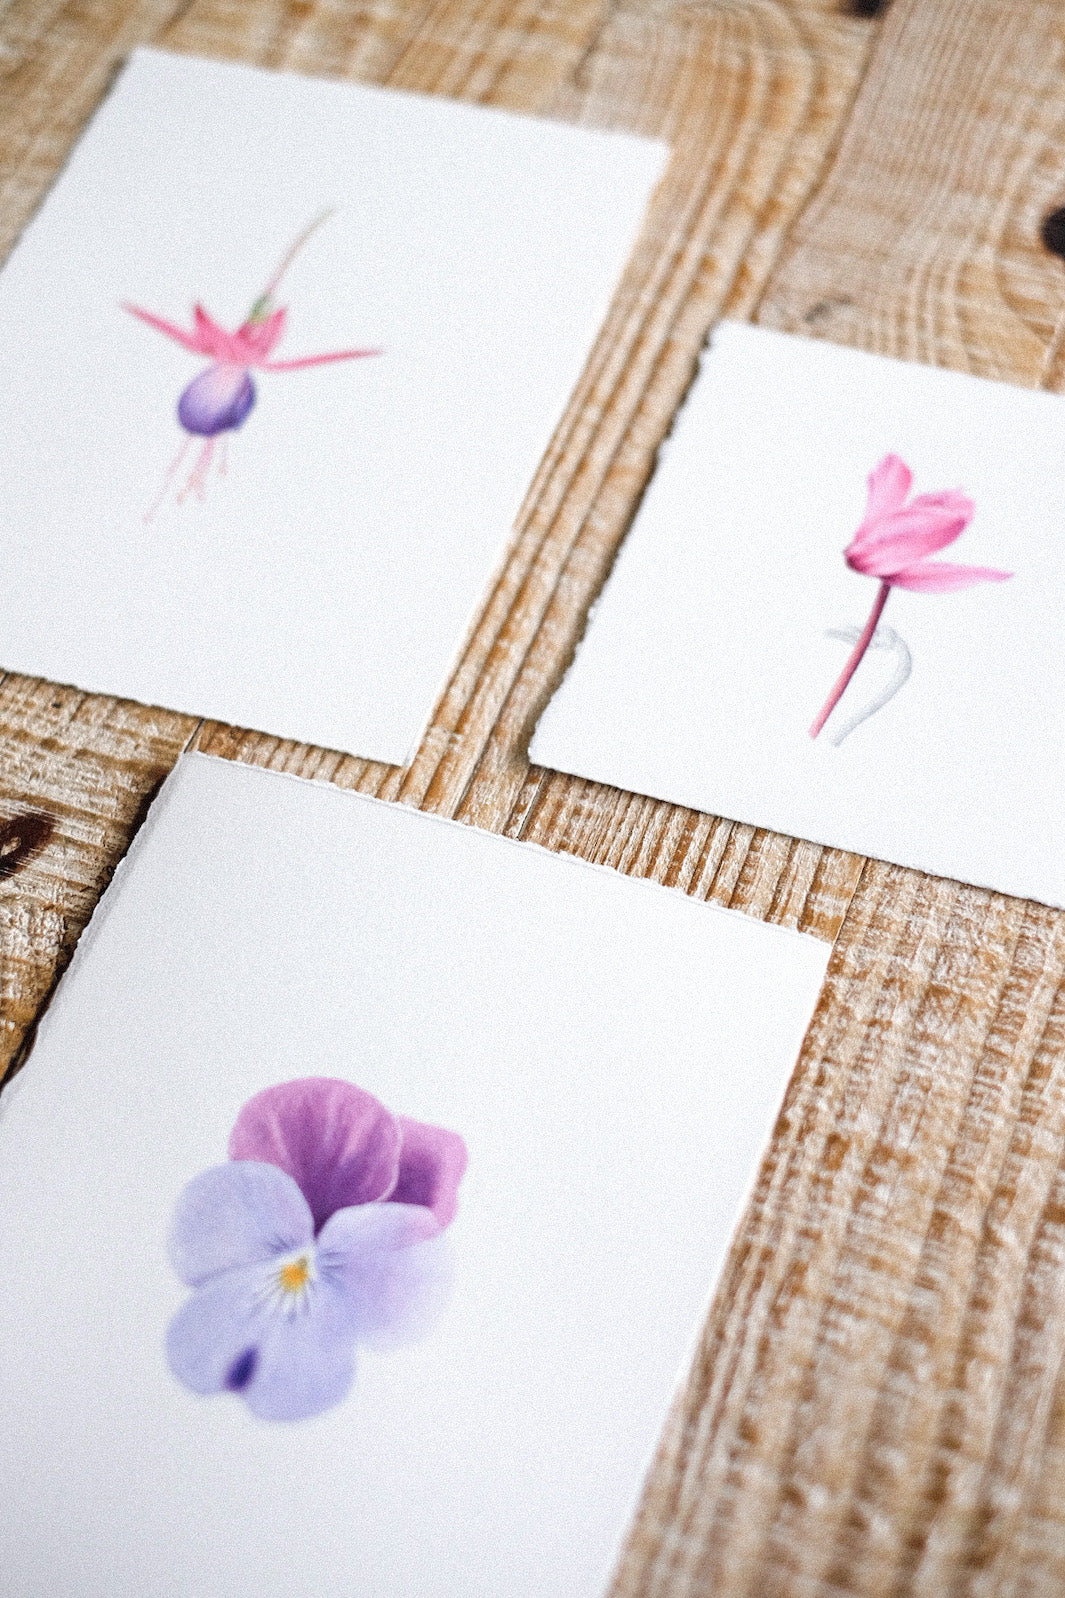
(855, 659)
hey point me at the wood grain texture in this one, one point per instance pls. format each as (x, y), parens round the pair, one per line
(91, 764)
(923, 242)
(878, 1402)
(869, 1409)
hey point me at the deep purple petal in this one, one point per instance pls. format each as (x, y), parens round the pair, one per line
(305, 1361)
(392, 1266)
(218, 1331)
(219, 399)
(235, 1215)
(431, 1165)
(337, 1142)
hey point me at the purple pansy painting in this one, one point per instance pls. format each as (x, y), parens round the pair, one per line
(324, 1231)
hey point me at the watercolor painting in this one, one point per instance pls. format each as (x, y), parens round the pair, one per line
(219, 399)
(323, 1232)
(892, 544)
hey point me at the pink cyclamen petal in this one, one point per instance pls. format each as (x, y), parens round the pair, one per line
(910, 534)
(893, 543)
(888, 485)
(338, 1143)
(944, 577)
(431, 1166)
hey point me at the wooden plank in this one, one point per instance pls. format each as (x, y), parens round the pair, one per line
(923, 242)
(879, 1402)
(878, 1405)
(752, 98)
(56, 62)
(868, 1409)
(90, 765)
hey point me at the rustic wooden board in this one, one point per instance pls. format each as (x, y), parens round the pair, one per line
(878, 1404)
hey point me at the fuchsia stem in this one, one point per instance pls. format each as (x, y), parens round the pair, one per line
(855, 660)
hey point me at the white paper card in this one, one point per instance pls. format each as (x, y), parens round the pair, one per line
(611, 1052)
(731, 613)
(322, 588)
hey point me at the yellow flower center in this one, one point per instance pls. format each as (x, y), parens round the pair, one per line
(294, 1275)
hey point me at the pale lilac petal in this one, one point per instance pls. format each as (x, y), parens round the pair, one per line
(234, 1215)
(393, 1267)
(338, 1143)
(305, 1361)
(431, 1165)
(943, 577)
(216, 401)
(286, 1361)
(889, 483)
(909, 535)
(212, 1342)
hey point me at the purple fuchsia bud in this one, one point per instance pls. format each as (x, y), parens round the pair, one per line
(216, 401)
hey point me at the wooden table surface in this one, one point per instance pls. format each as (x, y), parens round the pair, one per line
(878, 1402)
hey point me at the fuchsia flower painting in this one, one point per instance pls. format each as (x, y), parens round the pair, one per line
(220, 398)
(323, 1232)
(893, 544)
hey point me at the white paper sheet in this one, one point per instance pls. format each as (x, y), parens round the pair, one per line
(612, 1053)
(708, 655)
(323, 588)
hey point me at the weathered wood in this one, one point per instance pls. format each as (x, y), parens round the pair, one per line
(751, 98)
(878, 1404)
(868, 1411)
(91, 764)
(923, 242)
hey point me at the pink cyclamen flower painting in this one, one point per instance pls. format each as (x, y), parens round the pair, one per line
(323, 1232)
(218, 400)
(896, 536)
